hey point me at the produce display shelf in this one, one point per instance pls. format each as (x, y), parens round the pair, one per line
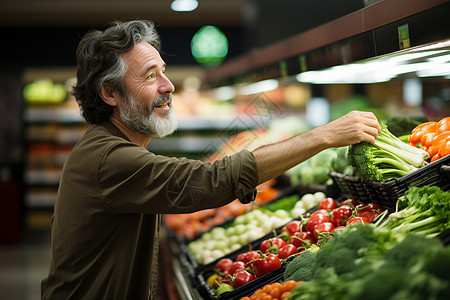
(386, 193)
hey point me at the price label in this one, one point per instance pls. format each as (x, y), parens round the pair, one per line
(403, 36)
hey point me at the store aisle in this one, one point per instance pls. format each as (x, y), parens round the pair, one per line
(23, 266)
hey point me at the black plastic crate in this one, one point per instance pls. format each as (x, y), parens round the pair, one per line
(386, 193)
(246, 290)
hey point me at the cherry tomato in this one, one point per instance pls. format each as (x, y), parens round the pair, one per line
(236, 266)
(272, 245)
(350, 202)
(324, 227)
(338, 228)
(369, 210)
(247, 256)
(223, 265)
(328, 204)
(287, 251)
(357, 220)
(340, 215)
(242, 277)
(321, 212)
(266, 264)
(302, 239)
(292, 227)
(315, 220)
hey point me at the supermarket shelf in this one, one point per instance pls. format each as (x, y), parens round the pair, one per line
(366, 33)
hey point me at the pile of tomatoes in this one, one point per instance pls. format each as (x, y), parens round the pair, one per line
(332, 216)
(295, 236)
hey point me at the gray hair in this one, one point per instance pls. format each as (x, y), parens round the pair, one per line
(99, 62)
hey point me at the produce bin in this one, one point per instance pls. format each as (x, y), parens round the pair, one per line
(246, 290)
(386, 193)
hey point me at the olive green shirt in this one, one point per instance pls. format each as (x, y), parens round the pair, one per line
(107, 212)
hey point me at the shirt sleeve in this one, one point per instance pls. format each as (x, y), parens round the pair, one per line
(132, 179)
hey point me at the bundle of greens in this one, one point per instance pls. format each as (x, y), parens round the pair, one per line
(366, 262)
(421, 210)
(388, 157)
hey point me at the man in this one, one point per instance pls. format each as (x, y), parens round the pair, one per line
(113, 191)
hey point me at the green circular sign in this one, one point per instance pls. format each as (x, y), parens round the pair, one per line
(209, 46)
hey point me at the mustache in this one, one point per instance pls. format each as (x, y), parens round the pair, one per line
(162, 99)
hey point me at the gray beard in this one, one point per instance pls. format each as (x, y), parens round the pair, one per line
(139, 117)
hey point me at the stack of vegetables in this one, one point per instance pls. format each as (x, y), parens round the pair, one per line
(432, 137)
(397, 257)
(306, 234)
(388, 157)
(250, 226)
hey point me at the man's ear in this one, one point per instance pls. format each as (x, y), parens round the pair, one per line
(109, 95)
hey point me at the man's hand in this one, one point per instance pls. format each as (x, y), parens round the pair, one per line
(354, 127)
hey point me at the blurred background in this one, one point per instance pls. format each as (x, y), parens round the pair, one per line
(267, 69)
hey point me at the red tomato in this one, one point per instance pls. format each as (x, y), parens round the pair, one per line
(338, 228)
(315, 220)
(236, 266)
(292, 227)
(369, 211)
(302, 239)
(324, 227)
(321, 212)
(287, 251)
(340, 215)
(272, 245)
(350, 202)
(266, 264)
(223, 265)
(328, 204)
(242, 277)
(248, 256)
(357, 220)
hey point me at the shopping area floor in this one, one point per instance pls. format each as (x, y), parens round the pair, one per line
(22, 266)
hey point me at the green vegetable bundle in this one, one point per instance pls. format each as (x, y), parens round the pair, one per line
(421, 210)
(388, 157)
(315, 170)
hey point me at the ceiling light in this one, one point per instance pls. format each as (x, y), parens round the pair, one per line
(259, 87)
(184, 5)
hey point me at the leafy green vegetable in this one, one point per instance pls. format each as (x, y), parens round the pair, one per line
(384, 265)
(301, 268)
(421, 210)
(315, 170)
(387, 158)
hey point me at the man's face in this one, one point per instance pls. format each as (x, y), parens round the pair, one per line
(147, 105)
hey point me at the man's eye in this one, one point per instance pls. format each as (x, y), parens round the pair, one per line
(151, 76)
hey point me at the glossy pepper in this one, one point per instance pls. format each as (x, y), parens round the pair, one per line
(265, 264)
(419, 131)
(433, 137)
(440, 146)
